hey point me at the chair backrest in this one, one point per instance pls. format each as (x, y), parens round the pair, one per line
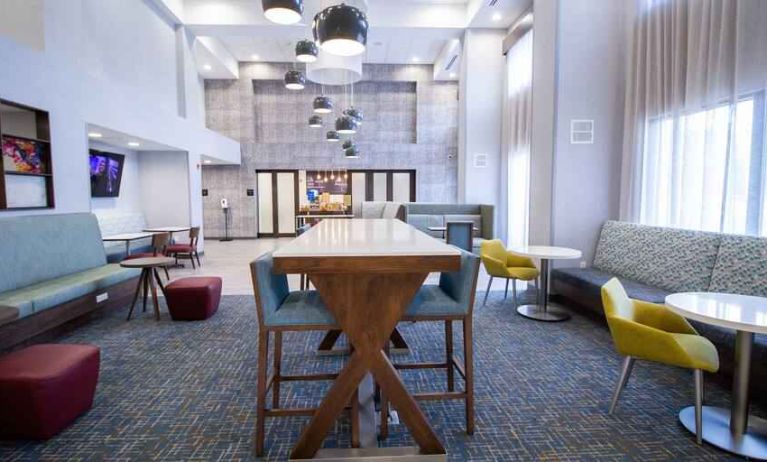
(459, 234)
(269, 289)
(616, 301)
(159, 242)
(461, 285)
(493, 248)
(194, 235)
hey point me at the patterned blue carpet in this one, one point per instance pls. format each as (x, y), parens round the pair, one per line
(186, 391)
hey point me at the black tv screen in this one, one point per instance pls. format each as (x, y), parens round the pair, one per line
(106, 173)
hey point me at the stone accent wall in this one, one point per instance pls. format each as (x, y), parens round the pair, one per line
(411, 122)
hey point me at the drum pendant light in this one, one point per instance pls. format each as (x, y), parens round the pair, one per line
(294, 80)
(323, 105)
(306, 51)
(347, 144)
(341, 30)
(346, 125)
(332, 136)
(355, 114)
(283, 11)
(315, 121)
(351, 153)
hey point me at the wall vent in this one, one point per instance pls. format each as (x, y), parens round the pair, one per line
(480, 160)
(582, 131)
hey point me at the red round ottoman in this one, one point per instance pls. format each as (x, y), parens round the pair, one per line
(44, 388)
(193, 299)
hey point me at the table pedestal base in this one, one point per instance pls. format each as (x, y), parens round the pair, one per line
(716, 431)
(551, 313)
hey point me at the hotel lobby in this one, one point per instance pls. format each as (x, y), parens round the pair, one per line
(418, 230)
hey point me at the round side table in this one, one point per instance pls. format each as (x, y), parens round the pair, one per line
(730, 429)
(147, 279)
(545, 311)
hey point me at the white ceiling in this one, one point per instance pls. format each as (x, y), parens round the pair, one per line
(119, 139)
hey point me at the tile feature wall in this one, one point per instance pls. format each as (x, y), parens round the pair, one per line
(411, 122)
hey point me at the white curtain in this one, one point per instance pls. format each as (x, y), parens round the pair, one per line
(518, 117)
(694, 147)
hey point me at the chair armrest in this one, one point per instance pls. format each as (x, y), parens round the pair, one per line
(494, 266)
(660, 317)
(518, 261)
(645, 342)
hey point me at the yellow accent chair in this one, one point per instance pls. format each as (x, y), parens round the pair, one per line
(652, 332)
(500, 263)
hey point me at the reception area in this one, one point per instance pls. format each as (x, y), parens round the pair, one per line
(384, 230)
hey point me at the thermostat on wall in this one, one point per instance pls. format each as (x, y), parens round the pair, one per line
(480, 160)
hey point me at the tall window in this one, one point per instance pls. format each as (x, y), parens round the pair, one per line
(705, 170)
(518, 107)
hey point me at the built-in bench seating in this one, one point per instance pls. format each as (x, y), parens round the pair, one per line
(423, 215)
(652, 262)
(51, 262)
(113, 222)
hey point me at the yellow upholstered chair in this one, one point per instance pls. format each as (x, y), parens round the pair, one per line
(649, 331)
(500, 263)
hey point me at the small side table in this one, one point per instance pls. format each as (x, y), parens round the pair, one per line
(545, 311)
(147, 279)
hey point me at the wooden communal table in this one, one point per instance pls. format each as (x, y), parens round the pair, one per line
(367, 272)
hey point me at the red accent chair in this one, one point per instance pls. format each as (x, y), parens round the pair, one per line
(44, 388)
(160, 243)
(187, 251)
(193, 299)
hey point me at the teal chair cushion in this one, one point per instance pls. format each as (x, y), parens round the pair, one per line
(38, 248)
(41, 296)
(301, 308)
(453, 295)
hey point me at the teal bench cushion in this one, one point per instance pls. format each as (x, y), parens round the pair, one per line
(741, 266)
(675, 260)
(38, 248)
(41, 296)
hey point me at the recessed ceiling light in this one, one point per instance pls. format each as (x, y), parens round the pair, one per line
(453, 75)
(134, 144)
(497, 16)
(415, 59)
(206, 161)
(94, 135)
(255, 57)
(207, 67)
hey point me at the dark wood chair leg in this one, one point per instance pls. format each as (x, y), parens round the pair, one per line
(167, 275)
(468, 365)
(191, 258)
(197, 255)
(145, 271)
(276, 370)
(449, 355)
(383, 432)
(263, 358)
(135, 295)
(301, 284)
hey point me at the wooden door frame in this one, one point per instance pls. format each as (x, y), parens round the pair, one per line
(389, 182)
(275, 202)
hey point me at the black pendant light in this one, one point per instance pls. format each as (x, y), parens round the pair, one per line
(323, 105)
(351, 152)
(341, 30)
(346, 125)
(283, 11)
(294, 80)
(306, 51)
(315, 121)
(347, 144)
(332, 136)
(355, 114)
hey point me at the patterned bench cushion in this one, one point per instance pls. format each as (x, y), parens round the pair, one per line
(675, 260)
(741, 266)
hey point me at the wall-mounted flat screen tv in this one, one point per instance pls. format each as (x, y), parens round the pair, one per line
(106, 173)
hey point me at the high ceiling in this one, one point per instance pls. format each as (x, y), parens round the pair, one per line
(401, 31)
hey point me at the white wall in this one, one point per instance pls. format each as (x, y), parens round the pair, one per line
(129, 199)
(111, 63)
(164, 188)
(480, 115)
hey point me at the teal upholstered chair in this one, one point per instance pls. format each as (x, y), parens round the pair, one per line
(451, 300)
(280, 310)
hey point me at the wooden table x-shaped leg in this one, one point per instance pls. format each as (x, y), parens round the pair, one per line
(367, 306)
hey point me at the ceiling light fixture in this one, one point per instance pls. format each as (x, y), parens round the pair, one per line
(341, 30)
(332, 136)
(207, 67)
(306, 51)
(255, 57)
(206, 161)
(415, 59)
(134, 144)
(351, 153)
(346, 125)
(497, 17)
(315, 121)
(355, 114)
(347, 144)
(294, 80)
(453, 75)
(283, 11)
(94, 135)
(322, 105)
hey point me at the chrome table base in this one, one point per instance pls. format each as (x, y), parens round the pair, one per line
(716, 431)
(545, 311)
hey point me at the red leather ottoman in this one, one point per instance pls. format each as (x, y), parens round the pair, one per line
(44, 388)
(193, 299)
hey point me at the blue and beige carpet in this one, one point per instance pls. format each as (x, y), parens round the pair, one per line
(186, 391)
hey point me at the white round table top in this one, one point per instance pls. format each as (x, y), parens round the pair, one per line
(739, 312)
(546, 252)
